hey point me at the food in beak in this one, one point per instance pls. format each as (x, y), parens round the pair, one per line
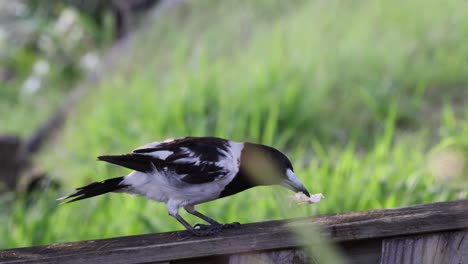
(301, 198)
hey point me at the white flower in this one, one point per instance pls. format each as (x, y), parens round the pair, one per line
(41, 68)
(31, 85)
(65, 21)
(90, 62)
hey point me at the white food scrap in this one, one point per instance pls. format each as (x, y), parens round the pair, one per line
(301, 198)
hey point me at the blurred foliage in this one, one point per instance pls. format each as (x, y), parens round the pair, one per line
(366, 97)
(45, 46)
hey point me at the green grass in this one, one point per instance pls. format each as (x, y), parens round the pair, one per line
(359, 94)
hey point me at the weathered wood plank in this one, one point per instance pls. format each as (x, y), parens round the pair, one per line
(362, 251)
(355, 252)
(444, 247)
(271, 235)
(283, 256)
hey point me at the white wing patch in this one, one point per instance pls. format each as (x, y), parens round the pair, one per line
(161, 154)
(158, 154)
(191, 159)
(232, 157)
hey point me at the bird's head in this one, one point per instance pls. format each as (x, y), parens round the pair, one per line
(269, 166)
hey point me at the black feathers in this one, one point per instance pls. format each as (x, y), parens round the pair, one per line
(95, 189)
(131, 161)
(190, 160)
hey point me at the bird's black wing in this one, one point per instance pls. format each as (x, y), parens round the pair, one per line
(190, 160)
(130, 161)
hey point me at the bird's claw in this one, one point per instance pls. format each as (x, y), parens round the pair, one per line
(222, 226)
(231, 225)
(214, 229)
(201, 226)
(207, 230)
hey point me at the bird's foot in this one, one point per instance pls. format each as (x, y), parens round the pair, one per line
(206, 230)
(223, 226)
(213, 229)
(201, 226)
(231, 225)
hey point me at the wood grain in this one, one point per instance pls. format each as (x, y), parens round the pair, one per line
(445, 247)
(272, 235)
(291, 256)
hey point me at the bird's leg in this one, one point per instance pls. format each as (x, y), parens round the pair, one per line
(174, 212)
(183, 222)
(191, 210)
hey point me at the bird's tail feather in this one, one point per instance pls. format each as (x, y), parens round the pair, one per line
(95, 189)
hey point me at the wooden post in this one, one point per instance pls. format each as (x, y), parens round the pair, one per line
(10, 161)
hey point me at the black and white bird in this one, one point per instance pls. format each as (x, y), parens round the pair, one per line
(189, 171)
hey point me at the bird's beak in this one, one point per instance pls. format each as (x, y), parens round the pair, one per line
(293, 183)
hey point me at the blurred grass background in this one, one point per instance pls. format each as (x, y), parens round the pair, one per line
(366, 97)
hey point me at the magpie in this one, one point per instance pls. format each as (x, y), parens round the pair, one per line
(188, 171)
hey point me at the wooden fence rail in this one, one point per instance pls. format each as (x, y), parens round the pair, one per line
(430, 233)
